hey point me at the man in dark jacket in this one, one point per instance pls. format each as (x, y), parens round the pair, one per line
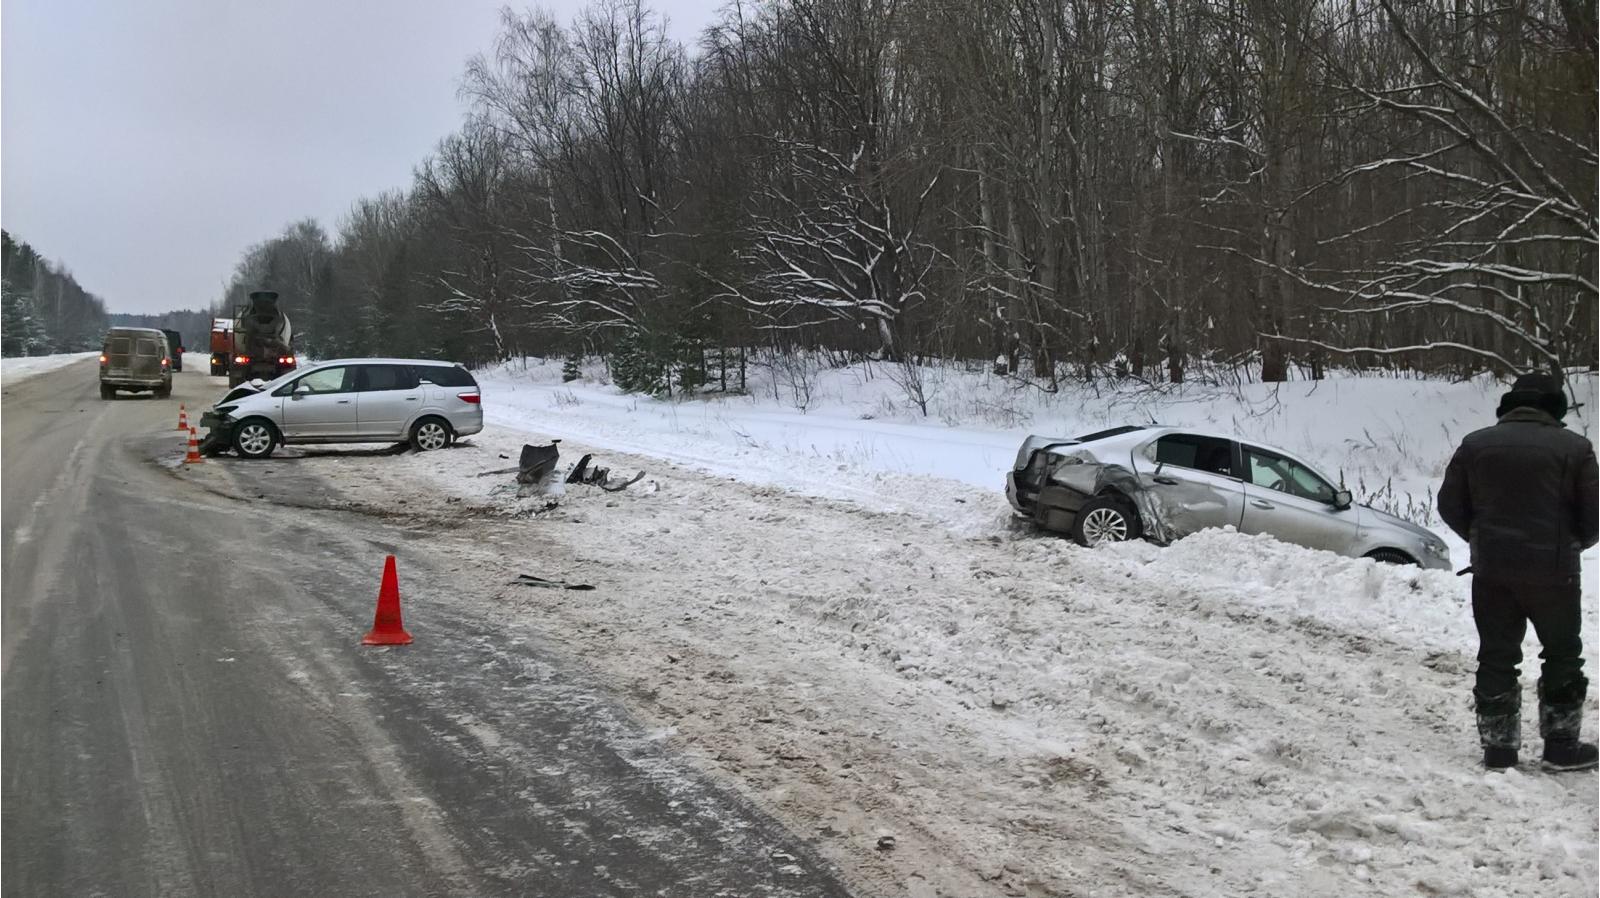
(1523, 493)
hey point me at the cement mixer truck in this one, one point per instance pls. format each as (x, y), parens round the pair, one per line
(260, 344)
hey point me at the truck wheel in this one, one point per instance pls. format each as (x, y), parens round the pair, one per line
(108, 392)
(429, 434)
(1105, 519)
(254, 438)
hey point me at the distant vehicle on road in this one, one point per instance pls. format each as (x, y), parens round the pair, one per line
(221, 346)
(428, 403)
(1163, 483)
(261, 341)
(136, 360)
(175, 348)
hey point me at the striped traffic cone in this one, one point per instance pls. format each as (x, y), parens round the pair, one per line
(183, 417)
(193, 458)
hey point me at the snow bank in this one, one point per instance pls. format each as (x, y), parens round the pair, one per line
(15, 369)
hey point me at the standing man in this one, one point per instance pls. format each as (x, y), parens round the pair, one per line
(1523, 494)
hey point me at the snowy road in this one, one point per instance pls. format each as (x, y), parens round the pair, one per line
(187, 710)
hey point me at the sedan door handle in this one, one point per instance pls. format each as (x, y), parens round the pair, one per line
(1168, 481)
(1260, 504)
(411, 399)
(341, 402)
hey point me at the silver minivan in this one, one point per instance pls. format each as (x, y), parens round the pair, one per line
(427, 403)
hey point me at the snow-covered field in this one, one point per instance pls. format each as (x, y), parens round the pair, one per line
(836, 614)
(15, 369)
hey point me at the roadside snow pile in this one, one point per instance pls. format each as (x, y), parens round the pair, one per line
(1226, 716)
(15, 369)
(1407, 605)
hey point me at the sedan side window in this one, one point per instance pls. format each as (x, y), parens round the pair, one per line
(1182, 450)
(1274, 472)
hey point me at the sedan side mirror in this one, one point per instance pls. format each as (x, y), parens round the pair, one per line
(1342, 500)
(301, 390)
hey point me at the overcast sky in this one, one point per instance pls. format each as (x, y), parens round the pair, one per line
(146, 143)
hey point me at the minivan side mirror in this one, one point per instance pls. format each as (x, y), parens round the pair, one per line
(1342, 500)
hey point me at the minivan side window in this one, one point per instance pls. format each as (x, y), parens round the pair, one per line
(1183, 450)
(376, 378)
(446, 375)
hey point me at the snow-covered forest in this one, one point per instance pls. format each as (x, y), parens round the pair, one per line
(1075, 190)
(43, 308)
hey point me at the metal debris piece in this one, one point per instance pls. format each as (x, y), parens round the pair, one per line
(531, 580)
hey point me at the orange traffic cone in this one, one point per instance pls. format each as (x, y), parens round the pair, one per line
(193, 458)
(386, 626)
(183, 417)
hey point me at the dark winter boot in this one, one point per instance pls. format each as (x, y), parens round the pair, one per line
(1560, 720)
(1499, 728)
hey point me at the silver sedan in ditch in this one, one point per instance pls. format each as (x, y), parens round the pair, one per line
(1162, 483)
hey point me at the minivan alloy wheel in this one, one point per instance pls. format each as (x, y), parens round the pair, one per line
(1105, 525)
(255, 439)
(431, 435)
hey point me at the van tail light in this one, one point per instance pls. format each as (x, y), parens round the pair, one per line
(473, 398)
(166, 363)
(104, 360)
(241, 360)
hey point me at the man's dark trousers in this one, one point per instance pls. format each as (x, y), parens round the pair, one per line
(1502, 609)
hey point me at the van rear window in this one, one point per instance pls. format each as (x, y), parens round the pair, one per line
(446, 375)
(148, 347)
(117, 346)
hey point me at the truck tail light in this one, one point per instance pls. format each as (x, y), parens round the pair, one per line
(286, 360)
(241, 360)
(473, 398)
